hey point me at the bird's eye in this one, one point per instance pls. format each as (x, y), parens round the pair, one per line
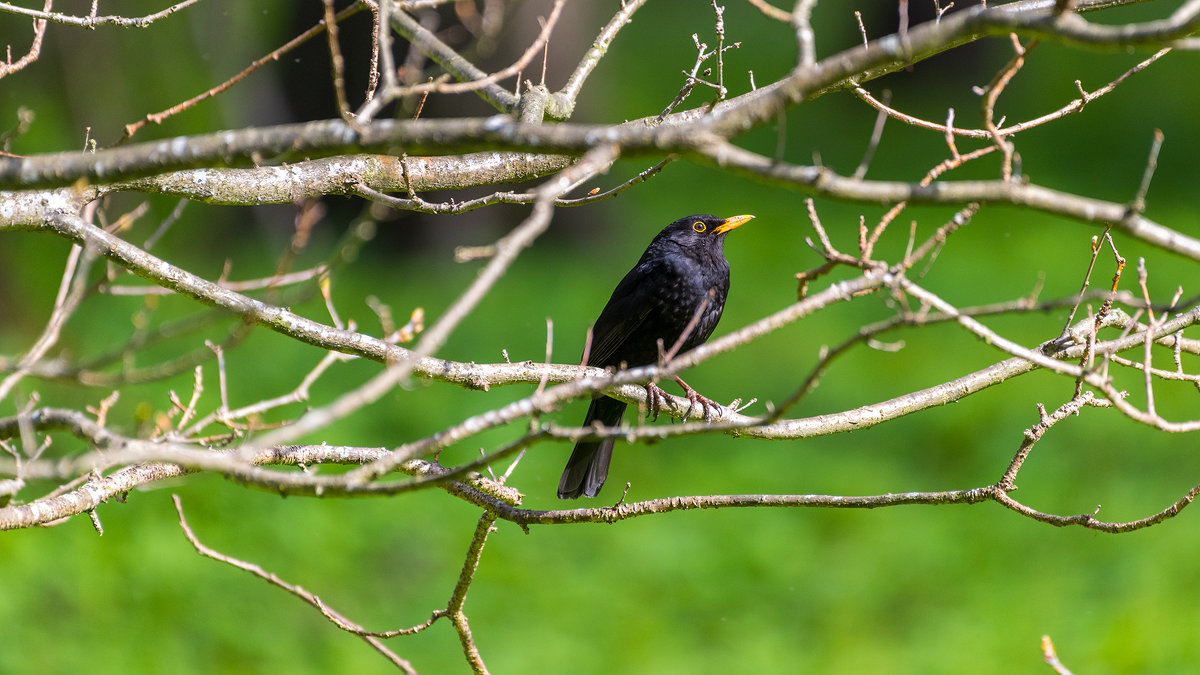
(698, 226)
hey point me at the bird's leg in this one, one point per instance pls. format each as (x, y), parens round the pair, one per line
(695, 397)
(654, 398)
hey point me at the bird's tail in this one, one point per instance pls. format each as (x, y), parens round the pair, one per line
(588, 467)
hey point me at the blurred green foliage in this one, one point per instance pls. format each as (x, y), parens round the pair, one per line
(900, 590)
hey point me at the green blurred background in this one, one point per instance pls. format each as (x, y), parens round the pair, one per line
(900, 590)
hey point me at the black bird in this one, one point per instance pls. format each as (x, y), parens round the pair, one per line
(678, 288)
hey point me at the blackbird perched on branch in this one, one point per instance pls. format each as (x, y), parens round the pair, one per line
(667, 304)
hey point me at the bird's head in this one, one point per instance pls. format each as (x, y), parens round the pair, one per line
(701, 227)
(702, 230)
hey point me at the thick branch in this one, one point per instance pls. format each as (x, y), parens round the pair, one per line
(340, 175)
(293, 142)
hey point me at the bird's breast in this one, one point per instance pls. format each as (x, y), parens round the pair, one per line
(687, 292)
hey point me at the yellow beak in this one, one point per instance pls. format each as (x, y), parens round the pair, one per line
(732, 223)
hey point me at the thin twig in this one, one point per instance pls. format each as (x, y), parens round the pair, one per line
(92, 21)
(272, 57)
(339, 620)
(1075, 106)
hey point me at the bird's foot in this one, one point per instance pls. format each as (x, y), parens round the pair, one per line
(655, 397)
(654, 400)
(694, 397)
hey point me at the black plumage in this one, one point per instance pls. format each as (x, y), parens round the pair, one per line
(682, 270)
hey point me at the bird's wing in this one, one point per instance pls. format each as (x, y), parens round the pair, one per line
(625, 312)
(608, 338)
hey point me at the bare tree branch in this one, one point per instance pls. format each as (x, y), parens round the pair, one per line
(74, 454)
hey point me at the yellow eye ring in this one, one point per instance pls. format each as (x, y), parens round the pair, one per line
(698, 226)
